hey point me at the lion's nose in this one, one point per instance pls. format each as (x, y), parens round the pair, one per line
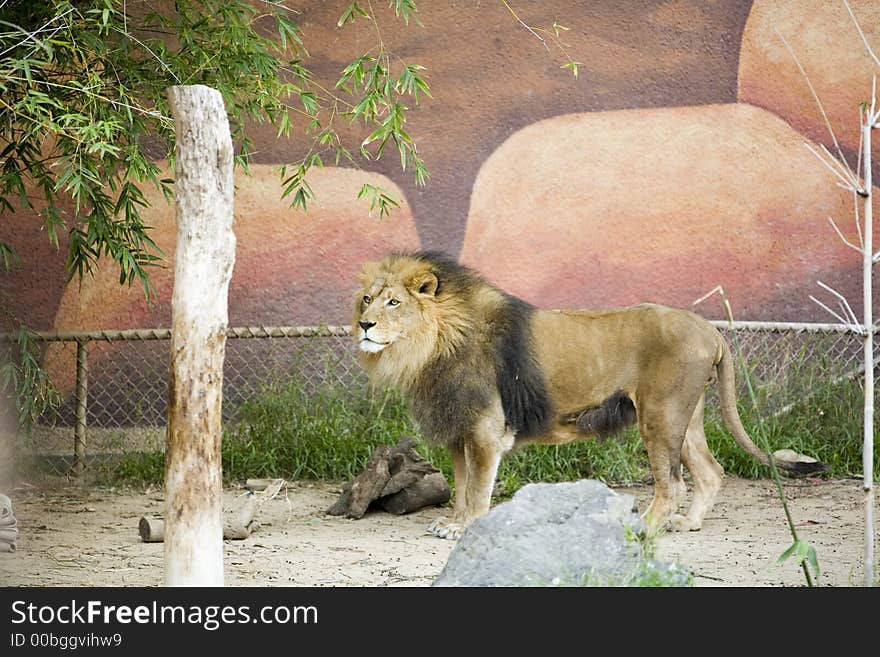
(366, 325)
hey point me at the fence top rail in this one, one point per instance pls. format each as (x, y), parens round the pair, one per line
(782, 326)
(110, 335)
(326, 331)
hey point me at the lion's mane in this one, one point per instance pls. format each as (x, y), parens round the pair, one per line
(474, 342)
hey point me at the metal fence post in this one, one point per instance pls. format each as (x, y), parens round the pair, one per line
(82, 391)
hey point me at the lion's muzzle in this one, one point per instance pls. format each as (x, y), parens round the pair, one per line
(365, 342)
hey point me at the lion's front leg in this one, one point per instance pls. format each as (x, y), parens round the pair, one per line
(443, 527)
(476, 465)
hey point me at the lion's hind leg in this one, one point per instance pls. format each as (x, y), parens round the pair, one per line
(706, 472)
(663, 433)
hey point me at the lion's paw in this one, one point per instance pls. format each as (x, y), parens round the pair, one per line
(680, 523)
(443, 528)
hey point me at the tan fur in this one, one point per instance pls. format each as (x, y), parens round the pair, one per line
(662, 358)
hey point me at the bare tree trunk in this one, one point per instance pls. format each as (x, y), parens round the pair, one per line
(867, 270)
(202, 269)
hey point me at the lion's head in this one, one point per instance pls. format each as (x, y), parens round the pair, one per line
(408, 309)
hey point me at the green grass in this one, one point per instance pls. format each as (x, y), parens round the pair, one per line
(826, 424)
(291, 430)
(288, 430)
(643, 575)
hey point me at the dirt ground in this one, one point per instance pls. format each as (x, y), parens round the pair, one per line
(77, 536)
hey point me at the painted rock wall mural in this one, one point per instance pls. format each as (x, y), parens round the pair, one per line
(674, 163)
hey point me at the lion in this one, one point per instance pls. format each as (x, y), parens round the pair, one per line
(484, 372)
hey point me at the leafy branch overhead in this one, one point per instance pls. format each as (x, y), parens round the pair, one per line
(83, 114)
(84, 118)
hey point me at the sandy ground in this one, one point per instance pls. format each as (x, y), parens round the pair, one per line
(80, 536)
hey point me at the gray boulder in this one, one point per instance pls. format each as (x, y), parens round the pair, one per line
(567, 534)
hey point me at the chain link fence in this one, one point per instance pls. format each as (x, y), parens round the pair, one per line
(114, 383)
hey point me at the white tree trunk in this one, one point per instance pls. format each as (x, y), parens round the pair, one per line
(202, 269)
(868, 437)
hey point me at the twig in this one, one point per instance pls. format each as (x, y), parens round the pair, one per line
(30, 35)
(815, 97)
(849, 183)
(526, 25)
(843, 322)
(147, 48)
(849, 312)
(861, 34)
(842, 238)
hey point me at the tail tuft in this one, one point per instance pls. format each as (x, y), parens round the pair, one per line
(797, 465)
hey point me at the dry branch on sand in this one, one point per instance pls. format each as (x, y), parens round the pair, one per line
(397, 479)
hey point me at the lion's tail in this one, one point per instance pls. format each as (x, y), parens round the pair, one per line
(727, 395)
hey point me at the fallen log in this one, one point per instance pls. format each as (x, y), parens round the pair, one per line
(237, 525)
(396, 479)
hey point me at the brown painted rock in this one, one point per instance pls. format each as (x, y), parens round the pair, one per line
(614, 208)
(827, 44)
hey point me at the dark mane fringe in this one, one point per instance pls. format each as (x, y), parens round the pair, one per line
(527, 407)
(524, 398)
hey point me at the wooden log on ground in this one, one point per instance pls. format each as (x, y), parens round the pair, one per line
(397, 479)
(358, 495)
(430, 490)
(237, 526)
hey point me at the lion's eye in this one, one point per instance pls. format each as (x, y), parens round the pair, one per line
(367, 299)
(393, 302)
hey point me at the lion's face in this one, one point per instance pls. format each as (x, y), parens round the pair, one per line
(390, 306)
(386, 314)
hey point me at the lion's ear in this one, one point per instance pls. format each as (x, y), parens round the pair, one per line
(424, 284)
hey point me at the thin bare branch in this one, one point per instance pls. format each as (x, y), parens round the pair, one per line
(842, 299)
(853, 178)
(842, 238)
(717, 289)
(816, 98)
(278, 4)
(855, 328)
(828, 165)
(525, 25)
(143, 45)
(861, 34)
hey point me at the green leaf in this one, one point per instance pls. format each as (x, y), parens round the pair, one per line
(309, 101)
(288, 30)
(572, 66)
(348, 15)
(802, 552)
(379, 198)
(405, 9)
(9, 257)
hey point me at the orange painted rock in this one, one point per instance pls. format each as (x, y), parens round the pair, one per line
(614, 208)
(827, 44)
